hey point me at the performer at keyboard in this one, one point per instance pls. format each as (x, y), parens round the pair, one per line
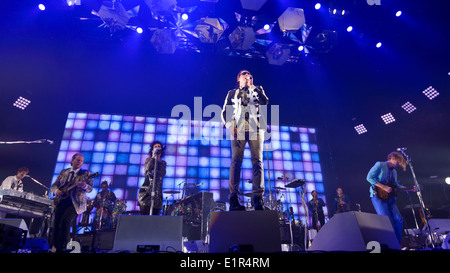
(341, 201)
(384, 176)
(14, 182)
(241, 115)
(67, 209)
(156, 152)
(104, 204)
(315, 206)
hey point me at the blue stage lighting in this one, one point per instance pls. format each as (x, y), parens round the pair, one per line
(139, 30)
(317, 6)
(349, 28)
(41, 6)
(378, 45)
(398, 13)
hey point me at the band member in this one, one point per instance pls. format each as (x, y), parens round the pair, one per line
(104, 203)
(14, 182)
(67, 209)
(315, 206)
(341, 202)
(156, 152)
(241, 116)
(384, 176)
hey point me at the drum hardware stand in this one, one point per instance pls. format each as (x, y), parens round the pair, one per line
(419, 194)
(300, 183)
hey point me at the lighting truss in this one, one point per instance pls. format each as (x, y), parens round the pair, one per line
(409, 107)
(21, 103)
(360, 129)
(388, 118)
(430, 92)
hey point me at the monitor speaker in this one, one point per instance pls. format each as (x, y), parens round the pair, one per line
(353, 230)
(244, 231)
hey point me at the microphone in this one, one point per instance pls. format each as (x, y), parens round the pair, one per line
(249, 78)
(50, 141)
(401, 149)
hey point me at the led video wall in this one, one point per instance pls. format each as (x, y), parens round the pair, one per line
(116, 146)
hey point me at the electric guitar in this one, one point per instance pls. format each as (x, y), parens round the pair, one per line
(67, 189)
(385, 196)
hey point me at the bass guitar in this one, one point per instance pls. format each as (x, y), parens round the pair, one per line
(67, 189)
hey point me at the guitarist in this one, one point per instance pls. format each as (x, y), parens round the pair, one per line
(71, 203)
(383, 177)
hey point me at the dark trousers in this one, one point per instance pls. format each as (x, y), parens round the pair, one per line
(65, 214)
(255, 142)
(319, 217)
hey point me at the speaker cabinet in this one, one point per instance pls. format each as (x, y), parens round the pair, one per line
(248, 231)
(351, 231)
(148, 230)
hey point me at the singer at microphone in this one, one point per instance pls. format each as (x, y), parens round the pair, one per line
(156, 152)
(241, 115)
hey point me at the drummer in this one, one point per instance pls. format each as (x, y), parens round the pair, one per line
(104, 202)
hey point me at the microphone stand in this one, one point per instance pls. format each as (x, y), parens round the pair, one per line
(419, 195)
(37, 182)
(152, 202)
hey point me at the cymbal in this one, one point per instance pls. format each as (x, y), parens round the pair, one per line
(171, 192)
(279, 188)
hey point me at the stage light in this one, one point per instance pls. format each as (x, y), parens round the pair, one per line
(21, 103)
(349, 28)
(41, 6)
(379, 44)
(184, 16)
(409, 107)
(360, 129)
(430, 92)
(398, 13)
(266, 27)
(317, 6)
(300, 48)
(139, 30)
(388, 118)
(447, 180)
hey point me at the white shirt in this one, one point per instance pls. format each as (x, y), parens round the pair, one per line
(11, 182)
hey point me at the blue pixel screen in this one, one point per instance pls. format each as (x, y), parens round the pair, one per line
(116, 147)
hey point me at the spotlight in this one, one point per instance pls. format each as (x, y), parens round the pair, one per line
(41, 6)
(317, 6)
(300, 48)
(379, 44)
(360, 129)
(349, 29)
(398, 13)
(21, 103)
(409, 107)
(139, 30)
(388, 118)
(447, 180)
(430, 92)
(266, 27)
(184, 16)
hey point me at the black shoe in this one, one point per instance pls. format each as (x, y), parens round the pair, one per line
(258, 202)
(234, 204)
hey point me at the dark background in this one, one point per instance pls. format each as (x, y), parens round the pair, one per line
(63, 64)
